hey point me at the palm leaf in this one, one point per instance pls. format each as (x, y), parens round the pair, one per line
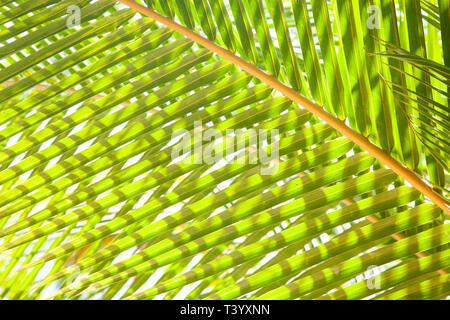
(94, 201)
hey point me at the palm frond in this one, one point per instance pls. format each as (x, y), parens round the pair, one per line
(94, 203)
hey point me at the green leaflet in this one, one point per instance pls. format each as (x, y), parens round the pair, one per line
(165, 174)
(205, 18)
(52, 13)
(290, 62)
(136, 129)
(89, 12)
(234, 231)
(337, 80)
(346, 13)
(25, 7)
(244, 30)
(241, 211)
(250, 251)
(257, 16)
(313, 69)
(426, 240)
(153, 59)
(103, 25)
(125, 33)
